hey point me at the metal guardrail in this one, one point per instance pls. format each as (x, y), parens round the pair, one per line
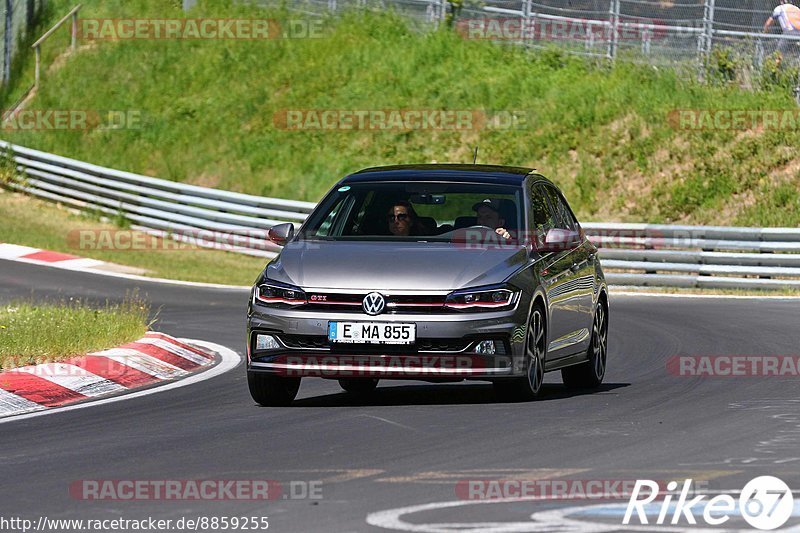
(204, 216)
(698, 256)
(632, 254)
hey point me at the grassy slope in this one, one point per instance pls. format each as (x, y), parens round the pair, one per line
(74, 328)
(31, 222)
(603, 135)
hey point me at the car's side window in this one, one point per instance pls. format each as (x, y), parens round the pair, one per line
(563, 216)
(356, 225)
(333, 222)
(541, 215)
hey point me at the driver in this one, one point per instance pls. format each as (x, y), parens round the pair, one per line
(403, 220)
(488, 214)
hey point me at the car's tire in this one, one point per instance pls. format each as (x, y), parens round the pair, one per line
(272, 391)
(528, 387)
(589, 375)
(358, 385)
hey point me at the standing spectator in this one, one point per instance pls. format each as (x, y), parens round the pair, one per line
(788, 16)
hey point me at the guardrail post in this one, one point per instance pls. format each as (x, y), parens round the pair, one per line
(434, 12)
(705, 41)
(74, 43)
(7, 41)
(613, 37)
(38, 67)
(525, 8)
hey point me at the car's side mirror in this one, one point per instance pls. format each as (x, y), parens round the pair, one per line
(281, 233)
(558, 239)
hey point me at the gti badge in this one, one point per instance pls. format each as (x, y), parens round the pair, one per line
(373, 303)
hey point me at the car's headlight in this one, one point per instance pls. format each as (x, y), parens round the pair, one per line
(482, 299)
(279, 294)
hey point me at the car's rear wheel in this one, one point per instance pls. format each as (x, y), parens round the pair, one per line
(358, 385)
(590, 374)
(528, 387)
(272, 391)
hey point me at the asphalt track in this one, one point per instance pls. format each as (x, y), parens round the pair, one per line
(412, 442)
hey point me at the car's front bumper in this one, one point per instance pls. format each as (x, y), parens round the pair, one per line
(444, 348)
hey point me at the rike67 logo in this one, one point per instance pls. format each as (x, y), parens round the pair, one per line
(765, 503)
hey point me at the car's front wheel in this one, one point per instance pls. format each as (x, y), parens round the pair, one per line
(528, 387)
(590, 374)
(272, 391)
(358, 385)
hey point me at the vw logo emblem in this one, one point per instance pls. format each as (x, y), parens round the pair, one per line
(373, 303)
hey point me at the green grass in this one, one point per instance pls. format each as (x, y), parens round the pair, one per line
(31, 222)
(32, 333)
(602, 133)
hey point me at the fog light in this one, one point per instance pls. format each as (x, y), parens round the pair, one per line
(267, 342)
(486, 348)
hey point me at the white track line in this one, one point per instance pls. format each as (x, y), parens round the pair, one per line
(133, 276)
(230, 360)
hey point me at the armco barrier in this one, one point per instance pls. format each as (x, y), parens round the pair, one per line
(698, 256)
(234, 221)
(632, 254)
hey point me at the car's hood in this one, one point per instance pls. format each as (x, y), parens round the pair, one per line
(400, 266)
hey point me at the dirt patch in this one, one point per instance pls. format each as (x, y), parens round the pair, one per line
(206, 180)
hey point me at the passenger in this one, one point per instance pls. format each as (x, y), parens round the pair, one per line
(488, 214)
(403, 220)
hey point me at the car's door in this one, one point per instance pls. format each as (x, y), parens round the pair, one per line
(554, 268)
(571, 285)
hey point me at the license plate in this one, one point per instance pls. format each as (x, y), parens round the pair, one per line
(372, 332)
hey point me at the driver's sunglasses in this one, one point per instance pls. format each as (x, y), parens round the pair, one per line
(399, 216)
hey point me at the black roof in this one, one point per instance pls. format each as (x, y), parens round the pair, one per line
(443, 172)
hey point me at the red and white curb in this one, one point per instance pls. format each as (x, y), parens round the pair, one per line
(37, 256)
(154, 358)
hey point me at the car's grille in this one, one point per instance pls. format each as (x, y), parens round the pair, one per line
(305, 341)
(321, 301)
(442, 345)
(422, 345)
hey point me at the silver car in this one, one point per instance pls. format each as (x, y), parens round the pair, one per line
(430, 272)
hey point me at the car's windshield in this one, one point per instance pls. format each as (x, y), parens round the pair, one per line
(417, 210)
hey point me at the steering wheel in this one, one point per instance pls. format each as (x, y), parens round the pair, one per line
(478, 226)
